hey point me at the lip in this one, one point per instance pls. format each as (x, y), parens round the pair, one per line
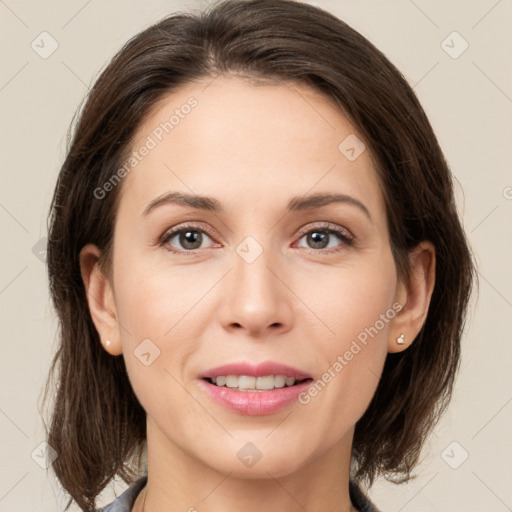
(254, 403)
(260, 370)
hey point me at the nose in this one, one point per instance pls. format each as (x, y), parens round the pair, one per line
(256, 298)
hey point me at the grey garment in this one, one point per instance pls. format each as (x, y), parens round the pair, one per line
(125, 501)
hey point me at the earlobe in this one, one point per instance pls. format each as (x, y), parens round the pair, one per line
(100, 299)
(415, 298)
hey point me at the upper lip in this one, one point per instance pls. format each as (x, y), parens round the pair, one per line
(260, 370)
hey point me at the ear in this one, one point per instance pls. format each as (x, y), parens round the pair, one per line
(414, 297)
(100, 299)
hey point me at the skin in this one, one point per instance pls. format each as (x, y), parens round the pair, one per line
(252, 148)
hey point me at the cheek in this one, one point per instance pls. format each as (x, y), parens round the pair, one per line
(356, 305)
(348, 301)
(151, 299)
(155, 309)
(159, 338)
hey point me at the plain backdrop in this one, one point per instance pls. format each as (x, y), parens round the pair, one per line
(467, 94)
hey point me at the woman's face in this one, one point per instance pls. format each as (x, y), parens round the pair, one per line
(253, 281)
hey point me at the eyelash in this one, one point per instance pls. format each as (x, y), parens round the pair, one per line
(341, 233)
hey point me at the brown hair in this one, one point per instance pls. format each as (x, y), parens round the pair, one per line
(98, 427)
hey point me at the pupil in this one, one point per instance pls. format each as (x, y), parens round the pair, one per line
(191, 238)
(318, 239)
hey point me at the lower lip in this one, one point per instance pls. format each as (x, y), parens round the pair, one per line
(255, 403)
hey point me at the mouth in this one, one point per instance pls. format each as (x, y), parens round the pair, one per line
(247, 400)
(263, 372)
(262, 389)
(246, 383)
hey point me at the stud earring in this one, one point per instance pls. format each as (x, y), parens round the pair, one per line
(401, 339)
(107, 343)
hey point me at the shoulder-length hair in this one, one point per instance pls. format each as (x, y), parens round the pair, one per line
(98, 426)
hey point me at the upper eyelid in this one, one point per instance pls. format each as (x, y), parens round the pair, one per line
(325, 225)
(188, 225)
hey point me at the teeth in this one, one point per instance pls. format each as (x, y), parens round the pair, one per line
(246, 382)
(231, 381)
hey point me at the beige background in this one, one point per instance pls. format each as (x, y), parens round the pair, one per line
(469, 102)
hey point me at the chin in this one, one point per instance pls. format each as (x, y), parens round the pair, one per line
(250, 460)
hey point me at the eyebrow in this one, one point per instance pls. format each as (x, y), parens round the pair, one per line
(299, 203)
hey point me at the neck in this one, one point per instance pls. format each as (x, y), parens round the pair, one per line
(178, 481)
(140, 504)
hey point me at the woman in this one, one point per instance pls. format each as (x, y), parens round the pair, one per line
(259, 270)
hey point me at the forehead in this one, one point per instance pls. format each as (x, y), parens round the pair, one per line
(248, 144)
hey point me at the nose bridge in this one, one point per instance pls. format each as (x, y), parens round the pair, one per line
(252, 275)
(256, 298)
(252, 262)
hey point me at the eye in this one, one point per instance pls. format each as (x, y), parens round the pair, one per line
(190, 237)
(320, 238)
